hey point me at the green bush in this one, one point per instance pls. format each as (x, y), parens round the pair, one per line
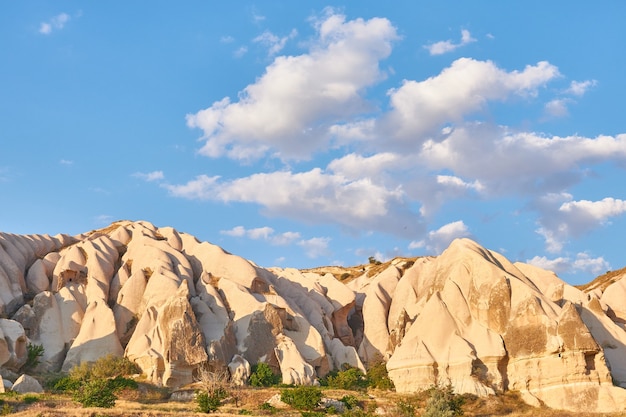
(34, 353)
(349, 379)
(262, 376)
(208, 402)
(111, 366)
(96, 393)
(302, 397)
(119, 383)
(67, 383)
(378, 377)
(30, 398)
(443, 402)
(6, 409)
(406, 408)
(268, 407)
(312, 414)
(350, 401)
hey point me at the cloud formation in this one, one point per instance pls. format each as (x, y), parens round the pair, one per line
(273, 43)
(443, 47)
(55, 23)
(390, 167)
(264, 233)
(582, 263)
(150, 176)
(437, 240)
(288, 110)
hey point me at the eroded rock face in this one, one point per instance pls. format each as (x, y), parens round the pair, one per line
(172, 304)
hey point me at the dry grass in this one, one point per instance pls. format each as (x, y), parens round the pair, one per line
(143, 404)
(603, 281)
(346, 274)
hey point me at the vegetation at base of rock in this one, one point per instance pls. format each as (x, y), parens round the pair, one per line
(111, 366)
(377, 376)
(443, 402)
(302, 397)
(262, 376)
(349, 379)
(350, 401)
(96, 393)
(207, 403)
(34, 353)
(95, 384)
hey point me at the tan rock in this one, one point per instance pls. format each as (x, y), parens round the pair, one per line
(26, 384)
(239, 370)
(97, 336)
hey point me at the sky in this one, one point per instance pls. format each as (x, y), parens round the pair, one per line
(301, 134)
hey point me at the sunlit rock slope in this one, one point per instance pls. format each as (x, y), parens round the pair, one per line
(469, 317)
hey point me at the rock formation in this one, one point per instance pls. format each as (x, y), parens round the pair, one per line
(172, 304)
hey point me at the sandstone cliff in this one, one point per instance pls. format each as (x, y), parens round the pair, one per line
(469, 317)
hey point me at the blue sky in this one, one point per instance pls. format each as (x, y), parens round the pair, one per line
(312, 133)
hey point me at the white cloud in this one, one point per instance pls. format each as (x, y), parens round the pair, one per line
(150, 176)
(273, 43)
(55, 23)
(66, 162)
(556, 265)
(579, 88)
(524, 162)
(557, 107)
(265, 233)
(438, 240)
(316, 247)
(583, 263)
(443, 47)
(456, 182)
(313, 197)
(421, 107)
(227, 39)
(241, 51)
(562, 218)
(290, 108)
(237, 231)
(594, 266)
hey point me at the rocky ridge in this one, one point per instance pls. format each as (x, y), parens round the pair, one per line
(170, 303)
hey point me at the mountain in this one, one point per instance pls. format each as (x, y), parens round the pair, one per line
(170, 303)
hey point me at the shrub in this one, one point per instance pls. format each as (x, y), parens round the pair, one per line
(30, 398)
(406, 408)
(350, 401)
(348, 379)
(378, 377)
(443, 402)
(208, 402)
(312, 414)
(119, 383)
(96, 393)
(111, 366)
(34, 353)
(262, 376)
(302, 397)
(67, 383)
(6, 409)
(267, 407)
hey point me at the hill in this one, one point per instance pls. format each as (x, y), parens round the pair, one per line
(468, 318)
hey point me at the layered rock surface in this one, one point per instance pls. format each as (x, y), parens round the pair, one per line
(173, 304)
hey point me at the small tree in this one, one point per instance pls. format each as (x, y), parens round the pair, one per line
(302, 397)
(378, 377)
(262, 376)
(443, 402)
(34, 353)
(96, 393)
